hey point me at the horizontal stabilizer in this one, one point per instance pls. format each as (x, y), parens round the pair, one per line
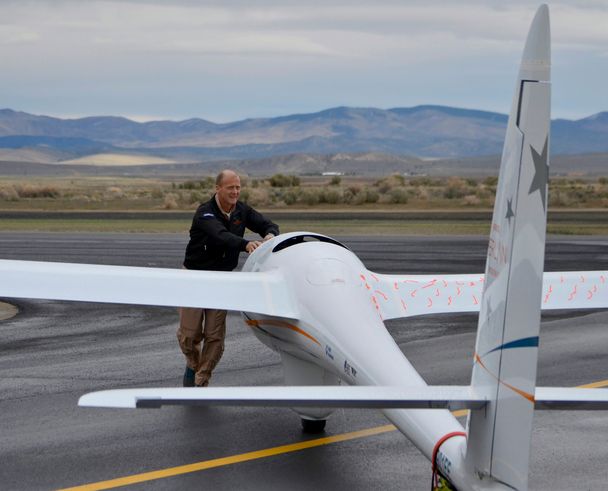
(260, 292)
(436, 397)
(571, 398)
(370, 397)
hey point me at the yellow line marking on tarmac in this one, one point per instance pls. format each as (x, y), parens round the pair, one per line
(234, 459)
(7, 311)
(594, 385)
(258, 454)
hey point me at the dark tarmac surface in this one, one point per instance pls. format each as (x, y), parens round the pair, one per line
(53, 352)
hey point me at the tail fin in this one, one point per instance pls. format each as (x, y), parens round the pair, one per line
(507, 340)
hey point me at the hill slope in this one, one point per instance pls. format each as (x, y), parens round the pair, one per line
(421, 131)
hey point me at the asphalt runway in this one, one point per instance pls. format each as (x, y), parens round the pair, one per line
(53, 352)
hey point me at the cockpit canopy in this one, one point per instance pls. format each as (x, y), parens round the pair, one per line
(302, 238)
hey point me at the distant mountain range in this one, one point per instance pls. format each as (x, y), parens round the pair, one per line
(421, 131)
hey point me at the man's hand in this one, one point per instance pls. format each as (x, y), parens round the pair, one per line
(268, 237)
(252, 246)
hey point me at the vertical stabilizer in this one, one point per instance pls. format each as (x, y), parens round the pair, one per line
(506, 350)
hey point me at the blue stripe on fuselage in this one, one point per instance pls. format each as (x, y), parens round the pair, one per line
(531, 342)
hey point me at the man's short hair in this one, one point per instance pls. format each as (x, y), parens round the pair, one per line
(220, 176)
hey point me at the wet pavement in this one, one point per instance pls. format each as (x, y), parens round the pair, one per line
(53, 352)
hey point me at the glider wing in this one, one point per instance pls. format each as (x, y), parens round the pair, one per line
(410, 295)
(260, 292)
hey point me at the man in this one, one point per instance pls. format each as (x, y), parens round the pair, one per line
(216, 240)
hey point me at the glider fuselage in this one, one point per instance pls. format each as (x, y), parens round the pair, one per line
(340, 329)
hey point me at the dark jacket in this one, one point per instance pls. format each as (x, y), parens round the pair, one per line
(216, 242)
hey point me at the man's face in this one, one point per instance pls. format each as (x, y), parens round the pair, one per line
(228, 191)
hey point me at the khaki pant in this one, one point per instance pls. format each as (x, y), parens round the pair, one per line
(208, 326)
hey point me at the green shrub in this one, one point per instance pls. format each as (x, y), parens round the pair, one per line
(390, 182)
(358, 199)
(33, 191)
(372, 196)
(170, 201)
(421, 181)
(9, 194)
(354, 194)
(283, 181)
(311, 197)
(195, 197)
(207, 182)
(257, 196)
(558, 198)
(455, 188)
(188, 185)
(157, 193)
(331, 196)
(398, 196)
(291, 197)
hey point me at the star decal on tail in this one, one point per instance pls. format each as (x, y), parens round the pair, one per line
(510, 213)
(541, 176)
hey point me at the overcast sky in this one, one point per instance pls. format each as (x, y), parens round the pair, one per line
(228, 60)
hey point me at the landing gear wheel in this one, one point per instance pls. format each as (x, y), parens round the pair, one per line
(313, 425)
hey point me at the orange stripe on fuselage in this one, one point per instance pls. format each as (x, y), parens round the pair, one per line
(286, 325)
(525, 395)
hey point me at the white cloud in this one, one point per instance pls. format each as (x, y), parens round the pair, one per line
(317, 29)
(13, 35)
(361, 52)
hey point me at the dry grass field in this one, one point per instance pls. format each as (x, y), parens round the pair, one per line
(393, 192)
(444, 205)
